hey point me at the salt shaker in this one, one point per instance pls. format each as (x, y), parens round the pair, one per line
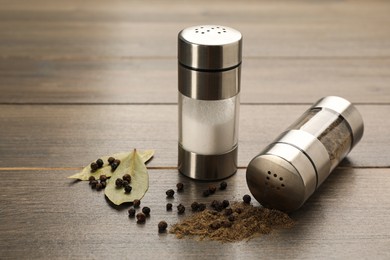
(287, 172)
(209, 71)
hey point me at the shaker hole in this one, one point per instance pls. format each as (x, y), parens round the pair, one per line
(281, 179)
(275, 175)
(282, 185)
(267, 178)
(269, 172)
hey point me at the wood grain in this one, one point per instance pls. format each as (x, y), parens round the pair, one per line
(138, 80)
(61, 219)
(129, 29)
(74, 135)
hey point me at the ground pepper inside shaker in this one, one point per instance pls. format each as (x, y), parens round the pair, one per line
(287, 172)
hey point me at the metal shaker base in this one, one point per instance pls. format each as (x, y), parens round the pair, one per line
(207, 167)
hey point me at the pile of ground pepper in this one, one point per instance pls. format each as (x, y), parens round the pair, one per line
(248, 222)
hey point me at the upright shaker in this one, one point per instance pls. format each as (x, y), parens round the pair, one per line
(287, 172)
(209, 71)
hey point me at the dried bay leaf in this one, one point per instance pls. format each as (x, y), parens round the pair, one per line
(134, 165)
(106, 169)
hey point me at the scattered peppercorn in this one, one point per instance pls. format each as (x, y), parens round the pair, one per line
(99, 186)
(125, 183)
(180, 186)
(114, 165)
(195, 206)
(246, 199)
(128, 188)
(231, 217)
(212, 189)
(91, 178)
(93, 184)
(117, 161)
(94, 166)
(141, 218)
(146, 211)
(228, 211)
(110, 160)
(217, 205)
(225, 203)
(131, 212)
(169, 206)
(104, 184)
(238, 210)
(206, 193)
(100, 163)
(223, 185)
(170, 193)
(201, 207)
(181, 209)
(215, 225)
(162, 226)
(103, 177)
(119, 183)
(127, 178)
(136, 203)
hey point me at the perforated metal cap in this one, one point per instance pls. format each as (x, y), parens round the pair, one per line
(209, 47)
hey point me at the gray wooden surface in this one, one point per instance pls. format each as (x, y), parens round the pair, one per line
(81, 79)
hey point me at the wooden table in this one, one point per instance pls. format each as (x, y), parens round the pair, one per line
(81, 79)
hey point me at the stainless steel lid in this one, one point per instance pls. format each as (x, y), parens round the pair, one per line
(210, 47)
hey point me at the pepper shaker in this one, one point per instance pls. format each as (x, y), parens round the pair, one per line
(209, 71)
(287, 172)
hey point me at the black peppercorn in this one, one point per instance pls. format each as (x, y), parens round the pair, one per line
(162, 226)
(169, 206)
(181, 209)
(215, 225)
(201, 207)
(231, 218)
(195, 206)
(228, 211)
(93, 184)
(246, 199)
(131, 212)
(104, 184)
(91, 178)
(119, 183)
(180, 186)
(136, 203)
(110, 160)
(217, 205)
(206, 193)
(222, 185)
(117, 161)
(170, 193)
(212, 189)
(94, 166)
(127, 178)
(146, 211)
(103, 178)
(128, 188)
(141, 218)
(99, 186)
(125, 183)
(225, 203)
(100, 163)
(114, 165)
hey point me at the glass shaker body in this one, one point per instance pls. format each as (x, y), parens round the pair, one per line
(209, 72)
(288, 171)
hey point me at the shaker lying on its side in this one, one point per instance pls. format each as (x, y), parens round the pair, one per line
(290, 169)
